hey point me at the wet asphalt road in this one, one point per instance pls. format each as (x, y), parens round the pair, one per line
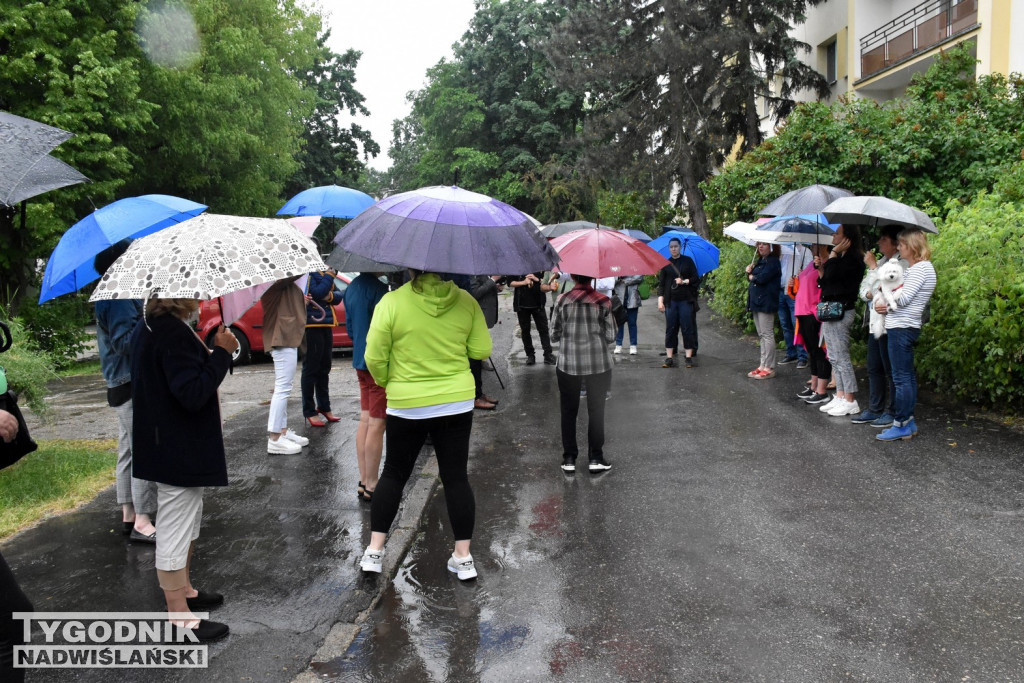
(740, 536)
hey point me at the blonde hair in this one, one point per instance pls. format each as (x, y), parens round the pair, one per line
(917, 242)
(179, 308)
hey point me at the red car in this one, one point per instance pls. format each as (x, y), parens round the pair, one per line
(248, 329)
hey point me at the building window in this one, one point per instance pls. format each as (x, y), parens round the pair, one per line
(831, 64)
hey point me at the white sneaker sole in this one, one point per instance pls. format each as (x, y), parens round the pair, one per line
(290, 448)
(464, 575)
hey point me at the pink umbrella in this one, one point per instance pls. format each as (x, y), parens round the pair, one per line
(234, 305)
(605, 253)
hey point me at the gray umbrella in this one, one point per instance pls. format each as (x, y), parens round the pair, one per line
(559, 229)
(345, 261)
(810, 199)
(877, 212)
(26, 169)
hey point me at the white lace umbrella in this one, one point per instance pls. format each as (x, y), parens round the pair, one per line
(209, 256)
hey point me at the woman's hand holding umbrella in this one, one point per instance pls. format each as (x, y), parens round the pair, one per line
(225, 340)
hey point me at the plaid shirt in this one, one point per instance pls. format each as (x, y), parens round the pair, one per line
(583, 322)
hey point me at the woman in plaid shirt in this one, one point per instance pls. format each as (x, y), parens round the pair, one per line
(583, 324)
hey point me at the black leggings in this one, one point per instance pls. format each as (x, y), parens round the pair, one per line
(810, 330)
(12, 599)
(450, 435)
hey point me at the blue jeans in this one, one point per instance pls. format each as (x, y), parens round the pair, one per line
(787, 318)
(901, 358)
(679, 315)
(631, 322)
(880, 376)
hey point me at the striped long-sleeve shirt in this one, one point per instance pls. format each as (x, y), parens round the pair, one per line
(912, 298)
(583, 323)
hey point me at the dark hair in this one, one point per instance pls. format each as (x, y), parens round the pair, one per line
(581, 279)
(852, 233)
(892, 232)
(676, 240)
(106, 258)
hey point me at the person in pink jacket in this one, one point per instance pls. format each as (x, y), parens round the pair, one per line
(809, 329)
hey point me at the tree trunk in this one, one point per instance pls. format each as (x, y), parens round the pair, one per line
(690, 183)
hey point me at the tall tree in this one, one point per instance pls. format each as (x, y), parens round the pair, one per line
(673, 85)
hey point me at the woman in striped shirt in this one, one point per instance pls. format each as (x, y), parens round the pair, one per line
(903, 327)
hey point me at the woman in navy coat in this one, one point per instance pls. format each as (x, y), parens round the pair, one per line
(178, 443)
(764, 277)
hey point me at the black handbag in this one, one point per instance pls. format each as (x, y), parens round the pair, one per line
(619, 311)
(23, 444)
(830, 310)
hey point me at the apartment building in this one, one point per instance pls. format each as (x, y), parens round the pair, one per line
(872, 48)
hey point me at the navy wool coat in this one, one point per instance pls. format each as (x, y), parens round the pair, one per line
(176, 430)
(763, 290)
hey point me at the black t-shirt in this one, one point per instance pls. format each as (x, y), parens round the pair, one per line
(684, 267)
(528, 297)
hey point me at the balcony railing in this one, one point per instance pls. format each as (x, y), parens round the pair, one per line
(916, 31)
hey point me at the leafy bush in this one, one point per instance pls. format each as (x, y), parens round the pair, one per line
(58, 326)
(727, 285)
(28, 368)
(973, 346)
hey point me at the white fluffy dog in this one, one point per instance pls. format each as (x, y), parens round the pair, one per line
(890, 279)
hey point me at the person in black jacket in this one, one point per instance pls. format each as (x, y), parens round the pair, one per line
(316, 365)
(764, 279)
(678, 283)
(839, 278)
(178, 443)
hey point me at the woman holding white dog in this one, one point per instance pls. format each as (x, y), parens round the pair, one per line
(903, 327)
(839, 277)
(881, 392)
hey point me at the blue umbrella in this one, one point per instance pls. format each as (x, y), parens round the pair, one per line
(703, 253)
(70, 268)
(807, 228)
(636, 234)
(327, 200)
(448, 230)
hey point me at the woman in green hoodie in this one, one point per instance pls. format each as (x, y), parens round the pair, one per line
(418, 348)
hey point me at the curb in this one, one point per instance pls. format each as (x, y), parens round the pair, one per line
(366, 597)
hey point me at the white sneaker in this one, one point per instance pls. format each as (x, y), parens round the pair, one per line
(373, 561)
(632, 350)
(465, 569)
(283, 446)
(825, 407)
(617, 349)
(844, 408)
(292, 436)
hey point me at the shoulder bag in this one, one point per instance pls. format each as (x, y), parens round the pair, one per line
(828, 311)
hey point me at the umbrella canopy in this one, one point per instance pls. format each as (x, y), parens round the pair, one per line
(327, 200)
(703, 253)
(810, 199)
(741, 231)
(209, 256)
(557, 229)
(345, 261)
(878, 212)
(802, 229)
(605, 253)
(70, 266)
(637, 234)
(448, 230)
(26, 169)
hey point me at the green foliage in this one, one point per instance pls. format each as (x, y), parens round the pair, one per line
(58, 327)
(635, 210)
(973, 346)
(28, 368)
(728, 286)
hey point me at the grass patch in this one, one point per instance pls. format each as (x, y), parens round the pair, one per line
(85, 367)
(58, 477)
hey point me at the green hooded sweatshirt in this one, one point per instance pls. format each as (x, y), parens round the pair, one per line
(419, 340)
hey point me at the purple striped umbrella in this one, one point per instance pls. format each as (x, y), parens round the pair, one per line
(448, 230)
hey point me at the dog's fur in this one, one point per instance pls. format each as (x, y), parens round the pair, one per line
(889, 279)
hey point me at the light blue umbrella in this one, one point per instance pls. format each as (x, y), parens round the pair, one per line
(807, 228)
(327, 200)
(703, 253)
(70, 268)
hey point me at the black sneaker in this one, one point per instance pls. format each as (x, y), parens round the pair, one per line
(599, 465)
(801, 364)
(815, 399)
(787, 360)
(530, 360)
(670, 362)
(568, 464)
(206, 631)
(549, 359)
(689, 361)
(806, 393)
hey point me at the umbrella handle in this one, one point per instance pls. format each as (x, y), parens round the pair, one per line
(323, 313)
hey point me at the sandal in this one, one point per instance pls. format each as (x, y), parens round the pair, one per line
(360, 490)
(367, 495)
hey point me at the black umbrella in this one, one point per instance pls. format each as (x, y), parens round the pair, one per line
(810, 199)
(344, 261)
(559, 229)
(26, 168)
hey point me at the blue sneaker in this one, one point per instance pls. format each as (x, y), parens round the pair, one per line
(865, 417)
(883, 420)
(896, 432)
